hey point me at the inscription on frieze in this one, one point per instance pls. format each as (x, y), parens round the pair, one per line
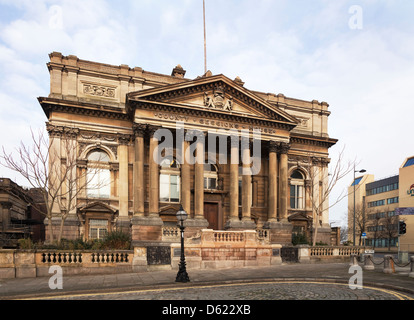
(212, 123)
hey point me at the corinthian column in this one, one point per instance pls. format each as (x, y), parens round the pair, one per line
(272, 198)
(283, 182)
(233, 219)
(146, 228)
(185, 180)
(199, 180)
(139, 204)
(154, 175)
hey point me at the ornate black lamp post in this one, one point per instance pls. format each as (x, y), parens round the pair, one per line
(355, 171)
(182, 275)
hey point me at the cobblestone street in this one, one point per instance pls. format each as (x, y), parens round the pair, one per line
(328, 281)
(281, 290)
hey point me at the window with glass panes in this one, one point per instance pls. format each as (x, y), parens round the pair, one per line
(98, 228)
(210, 176)
(297, 190)
(98, 175)
(169, 181)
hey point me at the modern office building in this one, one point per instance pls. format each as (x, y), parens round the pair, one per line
(379, 207)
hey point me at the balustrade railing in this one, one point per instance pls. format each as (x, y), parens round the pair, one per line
(61, 257)
(228, 236)
(57, 257)
(170, 233)
(333, 251)
(109, 257)
(262, 235)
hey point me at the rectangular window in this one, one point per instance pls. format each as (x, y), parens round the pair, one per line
(376, 203)
(98, 183)
(169, 188)
(296, 197)
(392, 200)
(210, 183)
(98, 228)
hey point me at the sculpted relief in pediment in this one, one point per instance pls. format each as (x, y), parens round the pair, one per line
(218, 100)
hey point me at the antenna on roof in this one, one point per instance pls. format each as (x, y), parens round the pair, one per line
(205, 47)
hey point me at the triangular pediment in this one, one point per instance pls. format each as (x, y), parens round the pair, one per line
(98, 207)
(212, 94)
(299, 216)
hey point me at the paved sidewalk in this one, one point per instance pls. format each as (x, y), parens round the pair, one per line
(332, 272)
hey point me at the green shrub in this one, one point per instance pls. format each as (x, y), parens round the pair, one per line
(299, 238)
(118, 240)
(26, 244)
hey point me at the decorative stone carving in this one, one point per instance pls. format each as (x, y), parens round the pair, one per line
(218, 101)
(59, 131)
(124, 139)
(97, 90)
(139, 129)
(273, 146)
(284, 147)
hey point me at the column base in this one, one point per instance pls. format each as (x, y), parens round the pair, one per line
(236, 224)
(148, 228)
(280, 231)
(123, 224)
(193, 226)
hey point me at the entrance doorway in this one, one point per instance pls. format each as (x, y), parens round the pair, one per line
(211, 213)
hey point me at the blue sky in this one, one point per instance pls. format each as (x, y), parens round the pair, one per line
(303, 49)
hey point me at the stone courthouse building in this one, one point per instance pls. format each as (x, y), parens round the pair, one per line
(115, 114)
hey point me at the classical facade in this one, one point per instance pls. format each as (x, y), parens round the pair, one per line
(119, 117)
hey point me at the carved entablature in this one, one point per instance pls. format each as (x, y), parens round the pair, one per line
(60, 131)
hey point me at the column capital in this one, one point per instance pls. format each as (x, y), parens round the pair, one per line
(273, 146)
(151, 129)
(284, 147)
(6, 204)
(124, 139)
(139, 129)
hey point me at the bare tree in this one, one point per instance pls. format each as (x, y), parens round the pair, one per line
(374, 226)
(322, 184)
(51, 168)
(360, 221)
(389, 227)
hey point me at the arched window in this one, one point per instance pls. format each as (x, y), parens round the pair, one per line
(297, 190)
(169, 180)
(210, 177)
(98, 184)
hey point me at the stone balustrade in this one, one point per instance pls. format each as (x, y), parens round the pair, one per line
(30, 263)
(326, 251)
(170, 234)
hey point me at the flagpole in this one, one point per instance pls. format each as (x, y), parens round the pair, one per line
(205, 47)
